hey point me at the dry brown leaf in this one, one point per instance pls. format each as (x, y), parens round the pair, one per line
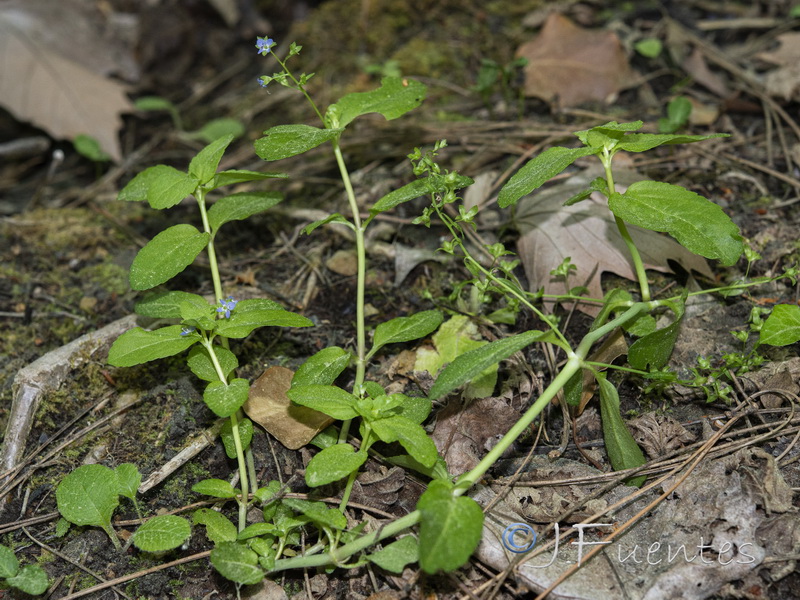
(695, 64)
(785, 80)
(659, 434)
(38, 83)
(268, 405)
(586, 232)
(574, 65)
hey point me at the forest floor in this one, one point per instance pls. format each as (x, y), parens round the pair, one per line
(67, 244)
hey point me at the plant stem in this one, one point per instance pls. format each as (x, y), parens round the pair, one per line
(212, 254)
(237, 442)
(638, 266)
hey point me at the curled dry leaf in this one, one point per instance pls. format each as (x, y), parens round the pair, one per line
(658, 434)
(269, 406)
(574, 65)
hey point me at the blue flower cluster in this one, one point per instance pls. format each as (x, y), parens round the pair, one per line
(187, 330)
(226, 306)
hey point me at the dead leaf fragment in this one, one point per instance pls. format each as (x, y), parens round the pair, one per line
(784, 81)
(268, 405)
(53, 92)
(574, 65)
(659, 435)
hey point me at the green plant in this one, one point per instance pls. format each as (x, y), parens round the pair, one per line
(678, 111)
(214, 129)
(30, 579)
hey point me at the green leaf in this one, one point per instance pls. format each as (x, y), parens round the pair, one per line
(9, 565)
(162, 187)
(648, 47)
(165, 305)
(410, 435)
(332, 464)
(197, 310)
(782, 327)
(90, 148)
(538, 171)
(217, 128)
(284, 141)
(597, 137)
(162, 533)
(317, 512)
(598, 185)
(450, 528)
(153, 103)
(138, 345)
(252, 314)
(654, 349)
(695, 222)
(256, 530)
(224, 399)
(31, 579)
(238, 207)
(166, 255)
(334, 218)
(201, 365)
(204, 166)
(88, 496)
(432, 184)
(394, 98)
(62, 527)
(329, 399)
(623, 452)
(463, 368)
(413, 408)
(397, 555)
(232, 176)
(405, 329)
(129, 479)
(678, 112)
(245, 436)
(219, 488)
(438, 471)
(641, 142)
(218, 527)
(323, 367)
(236, 562)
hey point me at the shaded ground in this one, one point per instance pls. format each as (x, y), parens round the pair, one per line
(67, 244)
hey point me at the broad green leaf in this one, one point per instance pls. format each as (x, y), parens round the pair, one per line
(782, 327)
(219, 488)
(317, 512)
(233, 176)
(433, 184)
(623, 452)
(31, 579)
(165, 305)
(598, 185)
(218, 527)
(334, 218)
(538, 171)
(204, 166)
(405, 329)
(332, 464)
(245, 436)
(456, 336)
(329, 399)
(166, 255)
(153, 103)
(284, 141)
(217, 128)
(201, 365)
(129, 478)
(641, 142)
(198, 309)
(138, 345)
(323, 367)
(162, 533)
(236, 562)
(654, 349)
(9, 565)
(162, 187)
(242, 324)
(438, 471)
(696, 223)
(450, 528)
(611, 131)
(650, 47)
(90, 148)
(224, 399)
(238, 207)
(462, 369)
(256, 530)
(414, 408)
(410, 435)
(397, 555)
(62, 527)
(394, 98)
(88, 496)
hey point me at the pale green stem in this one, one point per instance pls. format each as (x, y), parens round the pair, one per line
(212, 254)
(638, 265)
(574, 364)
(237, 442)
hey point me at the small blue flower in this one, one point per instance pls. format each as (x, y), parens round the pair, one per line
(187, 330)
(226, 306)
(261, 82)
(264, 45)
